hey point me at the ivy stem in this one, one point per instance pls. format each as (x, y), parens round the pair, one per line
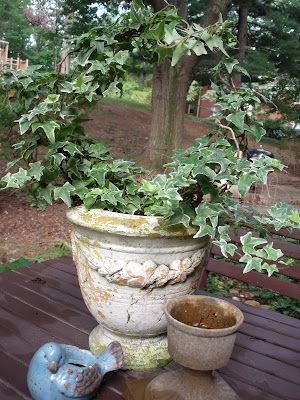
(239, 152)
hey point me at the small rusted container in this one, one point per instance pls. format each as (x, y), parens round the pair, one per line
(202, 331)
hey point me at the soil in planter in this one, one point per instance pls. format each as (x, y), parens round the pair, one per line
(205, 316)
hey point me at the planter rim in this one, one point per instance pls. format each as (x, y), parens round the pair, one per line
(126, 224)
(202, 332)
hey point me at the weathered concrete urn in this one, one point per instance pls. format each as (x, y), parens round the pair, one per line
(128, 267)
(202, 331)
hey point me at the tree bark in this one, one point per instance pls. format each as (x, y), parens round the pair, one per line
(242, 43)
(169, 89)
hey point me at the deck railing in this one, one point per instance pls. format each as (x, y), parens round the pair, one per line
(10, 62)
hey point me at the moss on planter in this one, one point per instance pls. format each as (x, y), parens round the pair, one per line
(138, 355)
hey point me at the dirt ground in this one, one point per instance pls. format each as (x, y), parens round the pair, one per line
(25, 231)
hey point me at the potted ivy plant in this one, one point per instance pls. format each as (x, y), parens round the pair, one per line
(136, 241)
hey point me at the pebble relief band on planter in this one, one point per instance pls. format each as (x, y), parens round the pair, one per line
(132, 273)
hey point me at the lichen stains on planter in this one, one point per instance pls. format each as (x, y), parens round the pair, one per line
(131, 225)
(150, 354)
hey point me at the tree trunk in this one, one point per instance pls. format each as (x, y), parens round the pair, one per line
(169, 89)
(242, 42)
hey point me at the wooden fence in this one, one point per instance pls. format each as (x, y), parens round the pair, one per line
(10, 62)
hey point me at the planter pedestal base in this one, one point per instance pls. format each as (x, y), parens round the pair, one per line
(140, 353)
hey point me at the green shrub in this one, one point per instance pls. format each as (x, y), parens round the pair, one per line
(279, 128)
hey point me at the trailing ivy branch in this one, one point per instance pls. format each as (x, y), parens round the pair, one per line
(196, 190)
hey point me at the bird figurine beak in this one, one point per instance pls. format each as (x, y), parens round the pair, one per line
(53, 367)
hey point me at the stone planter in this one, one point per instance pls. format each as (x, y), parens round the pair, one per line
(202, 331)
(128, 267)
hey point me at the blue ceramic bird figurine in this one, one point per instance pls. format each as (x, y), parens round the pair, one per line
(64, 372)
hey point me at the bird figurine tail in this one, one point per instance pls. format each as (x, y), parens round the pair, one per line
(111, 358)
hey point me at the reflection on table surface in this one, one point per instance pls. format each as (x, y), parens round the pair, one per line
(179, 384)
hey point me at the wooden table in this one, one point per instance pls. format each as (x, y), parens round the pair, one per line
(43, 303)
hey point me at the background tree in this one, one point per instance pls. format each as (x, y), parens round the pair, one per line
(14, 26)
(268, 46)
(48, 25)
(87, 14)
(170, 86)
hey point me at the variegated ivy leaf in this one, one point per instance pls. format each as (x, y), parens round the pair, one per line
(252, 263)
(58, 158)
(24, 124)
(148, 186)
(225, 247)
(237, 119)
(282, 215)
(245, 182)
(295, 217)
(270, 268)
(170, 194)
(121, 166)
(46, 193)
(111, 197)
(98, 150)
(118, 58)
(223, 241)
(269, 253)
(180, 50)
(230, 64)
(36, 170)
(207, 218)
(256, 132)
(205, 230)
(223, 231)
(48, 127)
(216, 42)
(72, 149)
(64, 193)
(254, 257)
(199, 49)
(171, 35)
(16, 180)
(249, 243)
(98, 172)
(179, 218)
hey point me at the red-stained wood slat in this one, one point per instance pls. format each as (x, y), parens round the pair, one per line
(46, 321)
(57, 273)
(268, 383)
(247, 391)
(262, 363)
(274, 326)
(285, 288)
(46, 288)
(261, 346)
(21, 338)
(65, 264)
(293, 271)
(289, 249)
(271, 337)
(294, 234)
(261, 312)
(8, 392)
(71, 315)
(13, 372)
